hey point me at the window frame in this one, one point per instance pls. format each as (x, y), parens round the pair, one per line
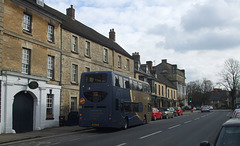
(49, 106)
(119, 61)
(127, 64)
(50, 67)
(50, 33)
(73, 107)
(87, 49)
(26, 61)
(74, 76)
(87, 69)
(27, 23)
(105, 55)
(74, 44)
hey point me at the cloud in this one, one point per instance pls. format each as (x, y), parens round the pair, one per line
(197, 35)
(202, 27)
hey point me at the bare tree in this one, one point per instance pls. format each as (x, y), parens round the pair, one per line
(231, 77)
(199, 91)
(206, 86)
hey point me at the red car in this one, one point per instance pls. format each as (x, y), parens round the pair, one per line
(156, 114)
(179, 110)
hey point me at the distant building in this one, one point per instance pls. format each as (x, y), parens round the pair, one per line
(176, 77)
(219, 98)
(164, 93)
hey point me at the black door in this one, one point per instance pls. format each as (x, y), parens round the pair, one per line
(23, 112)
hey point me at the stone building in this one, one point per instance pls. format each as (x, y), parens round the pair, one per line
(30, 70)
(163, 92)
(83, 50)
(42, 55)
(176, 77)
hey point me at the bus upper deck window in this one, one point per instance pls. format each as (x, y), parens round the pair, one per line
(96, 78)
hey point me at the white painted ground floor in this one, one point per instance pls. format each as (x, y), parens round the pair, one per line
(27, 103)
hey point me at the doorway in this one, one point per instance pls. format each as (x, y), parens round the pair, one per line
(23, 112)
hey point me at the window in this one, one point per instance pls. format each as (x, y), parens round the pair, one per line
(73, 103)
(105, 55)
(87, 48)
(126, 83)
(162, 91)
(134, 85)
(159, 88)
(26, 61)
(49, 110)
(74, 73)
(168, 93)
(50, 65)
(27, 21)
(121, 81)
(74, 44)
(127, 64)
(96, 78)
(155, 89)
(50, 33)
(119, 61)
(117, 81)
(40, 2)
(87, 69)
(140, 87)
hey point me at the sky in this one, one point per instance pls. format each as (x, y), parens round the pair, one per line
(196, 35)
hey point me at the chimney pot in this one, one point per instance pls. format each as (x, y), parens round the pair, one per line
(112, 35)
(149, 63)
(71, 12)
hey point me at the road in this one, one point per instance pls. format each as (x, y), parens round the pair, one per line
(186, 130)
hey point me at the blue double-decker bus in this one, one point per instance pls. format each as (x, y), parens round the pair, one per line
(110, 99)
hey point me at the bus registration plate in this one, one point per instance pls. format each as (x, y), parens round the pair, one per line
(95, 124)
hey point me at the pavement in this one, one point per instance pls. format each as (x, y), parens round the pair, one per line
(48, 132)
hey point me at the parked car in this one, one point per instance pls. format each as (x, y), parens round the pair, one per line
(210, 107)
(205, 108)
(228, 135)
(237, 115)
(166, 113)
(174, 111)
(234, 113)
(156, 114)
(198, 108)
(237, 106)
(179, 110)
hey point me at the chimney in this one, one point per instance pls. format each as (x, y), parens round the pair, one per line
(136, 56)
(71, 12)
(149, 63)
(164, 60)
(112, 35)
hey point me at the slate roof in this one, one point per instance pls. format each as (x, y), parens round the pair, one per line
(218, 96)
(160, 78)
(77, 27)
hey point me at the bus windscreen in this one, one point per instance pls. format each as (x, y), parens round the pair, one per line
(96, 78)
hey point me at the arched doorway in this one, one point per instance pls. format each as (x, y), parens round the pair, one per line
(23, 112)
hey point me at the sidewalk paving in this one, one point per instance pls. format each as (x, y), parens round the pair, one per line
(6, 138)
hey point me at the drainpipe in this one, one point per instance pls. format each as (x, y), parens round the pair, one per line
(60, 68)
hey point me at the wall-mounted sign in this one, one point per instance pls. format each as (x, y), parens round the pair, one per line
(33, 85)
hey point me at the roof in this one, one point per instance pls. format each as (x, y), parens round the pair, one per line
(77, 27)
(160, 78)
(218, 96)
(232, 122)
